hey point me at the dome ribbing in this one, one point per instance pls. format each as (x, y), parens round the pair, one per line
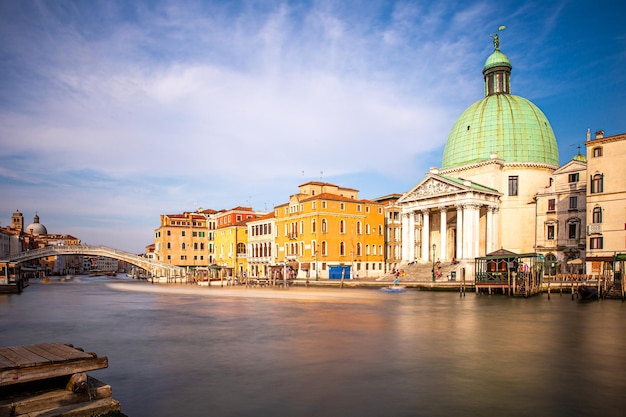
(501, 123)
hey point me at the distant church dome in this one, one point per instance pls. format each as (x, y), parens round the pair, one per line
(36, 228)
(501, 123)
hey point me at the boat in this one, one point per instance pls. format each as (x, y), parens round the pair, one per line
(394, 288)
(587, 292)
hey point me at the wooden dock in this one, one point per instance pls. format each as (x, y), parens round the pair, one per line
(50, 379)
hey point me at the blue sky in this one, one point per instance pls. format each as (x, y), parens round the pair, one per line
(113, 112)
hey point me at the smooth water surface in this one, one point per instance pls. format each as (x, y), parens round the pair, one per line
(189, 351)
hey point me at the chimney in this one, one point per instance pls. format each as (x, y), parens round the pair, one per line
(599, 134)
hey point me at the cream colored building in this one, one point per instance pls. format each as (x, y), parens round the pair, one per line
(606, 201)
(261, 253)
(500, 152)
(561, 218)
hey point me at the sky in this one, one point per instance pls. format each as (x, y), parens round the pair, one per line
(114, 112)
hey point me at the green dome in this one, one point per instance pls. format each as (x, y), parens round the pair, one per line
(501, 123)
(496, 59)
(510, 125)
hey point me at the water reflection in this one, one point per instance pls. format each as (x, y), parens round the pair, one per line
(311, 352)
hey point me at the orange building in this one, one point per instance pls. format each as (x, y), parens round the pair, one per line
(183, 240)
(325, 231)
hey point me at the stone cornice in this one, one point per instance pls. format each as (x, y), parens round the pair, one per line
(498, 162)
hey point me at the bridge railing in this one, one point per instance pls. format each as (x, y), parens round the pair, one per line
(96, 251)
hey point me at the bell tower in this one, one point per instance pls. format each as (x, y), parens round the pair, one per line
(17, 221)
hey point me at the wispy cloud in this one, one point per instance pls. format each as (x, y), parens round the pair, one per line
(123, 110)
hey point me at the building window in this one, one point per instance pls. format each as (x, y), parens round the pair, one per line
(595, 242)
(342, 206)
(313, 204)
(183, 233)
(597, 152)
(513, 184)
(597, 183)
(358, 228)
(573, 203)
(358, 249)
(324, 226)
(324, 249)
(572, 231)
(182, 246)
(241, 248)
(342, 249)
(597, 215)
(342, 226)
(323, 204)
(313, 229)
(551, 229)
(169, 233)
(551, 204)
(574, 177)
(358, 208)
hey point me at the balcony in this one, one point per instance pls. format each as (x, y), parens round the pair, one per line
(594, 229)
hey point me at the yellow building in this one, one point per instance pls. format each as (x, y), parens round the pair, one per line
(182, 240)
(325, 231)
(231, 242)
(606, 201)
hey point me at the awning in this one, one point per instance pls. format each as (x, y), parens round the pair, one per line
(575, 262)
(293, 265)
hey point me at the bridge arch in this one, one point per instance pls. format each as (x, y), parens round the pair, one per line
(156, 268)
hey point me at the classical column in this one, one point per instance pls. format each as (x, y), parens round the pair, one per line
(443, 226)
(405, 237)
(425, 235)
(470, 231)
(412, 236)
(489, 236)
(495, 239)
(459, 232)
(476, 228)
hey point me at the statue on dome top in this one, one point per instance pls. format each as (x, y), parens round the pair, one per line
(496, 39)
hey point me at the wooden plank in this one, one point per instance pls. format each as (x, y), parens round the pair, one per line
(51, 370)
(21, 357)
(33, 402)
(65, 351)
(45, 353)
(5, 362)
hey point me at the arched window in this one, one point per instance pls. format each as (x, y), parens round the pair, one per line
(324, 226)
(195, 245)
(182, 246)
(342, 226)
(597, 183)
(597, 214)
(313, 230)
(324, 253)
(597, 152)
(358, 249)
(241, 248)
(169, 245)
(359, 230)
(342, 249)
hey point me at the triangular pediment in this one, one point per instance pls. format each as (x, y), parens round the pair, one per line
(437, 185)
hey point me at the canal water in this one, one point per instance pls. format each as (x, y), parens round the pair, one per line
(189, 351)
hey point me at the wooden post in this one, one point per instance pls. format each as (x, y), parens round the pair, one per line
(548, 279)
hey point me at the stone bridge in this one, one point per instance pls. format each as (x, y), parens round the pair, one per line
(156, 268)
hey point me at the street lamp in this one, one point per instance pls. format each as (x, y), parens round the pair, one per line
(433, 270)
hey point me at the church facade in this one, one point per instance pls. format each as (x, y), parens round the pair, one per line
(499, 153)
